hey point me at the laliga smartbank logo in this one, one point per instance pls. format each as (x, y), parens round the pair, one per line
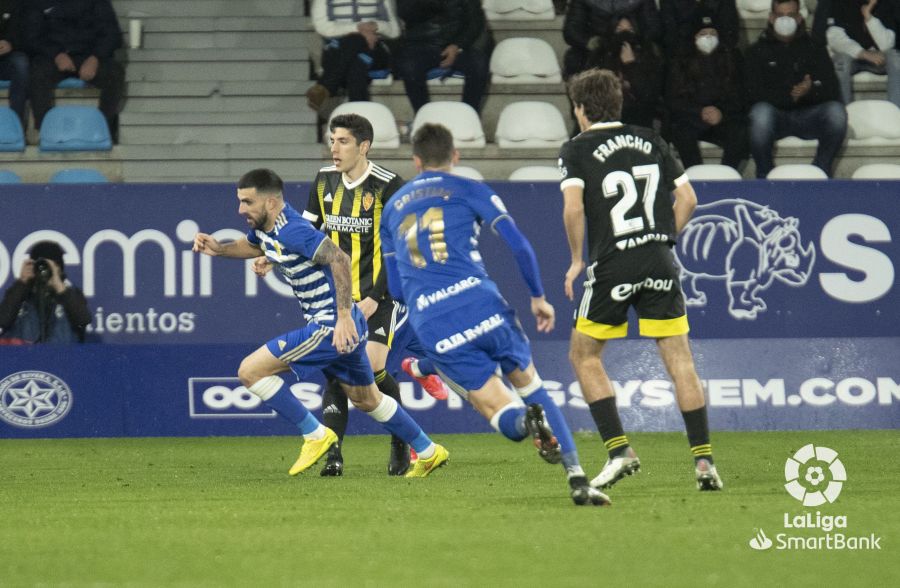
(808, 464)
(815, 476)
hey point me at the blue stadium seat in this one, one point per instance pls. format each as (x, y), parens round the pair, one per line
(443, 73)
(72, 84)
(78, 176)
(4, 84)
(75, 128)
(11, 136)
(8, 177)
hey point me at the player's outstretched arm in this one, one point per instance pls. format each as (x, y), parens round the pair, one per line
(241, 249)
(685, 203)
(345, 337)
(573, 218)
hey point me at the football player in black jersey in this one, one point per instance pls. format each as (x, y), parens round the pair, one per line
(620, 181)
(346, 201)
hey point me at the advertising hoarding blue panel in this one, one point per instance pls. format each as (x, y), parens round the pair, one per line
(760, 259)
(191, 390)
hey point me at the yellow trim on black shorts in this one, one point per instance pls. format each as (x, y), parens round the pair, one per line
(664, 327)
(599, 330)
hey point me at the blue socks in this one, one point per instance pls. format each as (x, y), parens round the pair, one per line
(277, 395)
(396, 420)
(556, 420)
(425, 367)
(510, 421)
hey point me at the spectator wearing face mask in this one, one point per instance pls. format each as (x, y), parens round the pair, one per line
(704, 96)
(639, 66)
(793, 91)
(862, 36)
(680, 16)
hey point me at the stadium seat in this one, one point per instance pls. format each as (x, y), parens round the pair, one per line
(460, 118)
(72, 84)
(529, 125)
(11, 136)
(4, 84)
(877, 171)
(444, 76)
(797, 171)
(523, 60)
(75, 128)
(9, 177)
(535, 173)
(873, 121)
(761, 8)
(78, 176)
(386, 134)
(712, 172)
(467, 172)
(381, 77)
(518, 9)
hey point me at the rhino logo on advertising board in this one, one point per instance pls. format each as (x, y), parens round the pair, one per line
(746, 245)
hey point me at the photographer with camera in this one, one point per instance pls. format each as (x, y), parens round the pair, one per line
(42, 306)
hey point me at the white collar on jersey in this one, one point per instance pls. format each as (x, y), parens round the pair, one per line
(606, 125)
(350, 185)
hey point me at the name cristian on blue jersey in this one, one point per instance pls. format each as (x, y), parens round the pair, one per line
(291, 245)
(431, 225)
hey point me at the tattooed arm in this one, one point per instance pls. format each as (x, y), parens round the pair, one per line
(345, 336)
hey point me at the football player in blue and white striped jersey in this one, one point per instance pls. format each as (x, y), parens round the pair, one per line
(319, 273)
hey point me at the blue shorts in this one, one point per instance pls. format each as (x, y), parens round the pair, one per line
(468, 348)
(310, 349)
(404, 342)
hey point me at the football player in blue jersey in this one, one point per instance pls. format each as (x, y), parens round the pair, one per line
(319, 273)
(429, 240)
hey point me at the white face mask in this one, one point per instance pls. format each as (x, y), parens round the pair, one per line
(706, 44)
(785, 26)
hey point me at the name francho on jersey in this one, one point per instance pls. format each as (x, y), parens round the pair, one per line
(627, 174)
(350, 214)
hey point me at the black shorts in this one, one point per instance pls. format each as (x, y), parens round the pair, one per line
(383, 322)
(647, 278)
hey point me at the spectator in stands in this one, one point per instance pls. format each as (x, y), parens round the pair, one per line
(353, 34)
(74, 38)
(449, 34)
(679, 17)
(636, 60)
(13, 62)
(589, 22)
(859, 40)
(793, 90)
(705, 97)
(42, 306)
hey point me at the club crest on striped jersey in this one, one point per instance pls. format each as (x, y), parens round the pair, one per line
(368, 200)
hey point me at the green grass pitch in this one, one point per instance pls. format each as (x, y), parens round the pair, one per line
(223, 511)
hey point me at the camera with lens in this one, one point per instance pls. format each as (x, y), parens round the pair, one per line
(43, 270)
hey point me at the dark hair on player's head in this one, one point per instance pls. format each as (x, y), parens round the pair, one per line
(264, 180)
(599, 91)
(359, 126)
(433, 144)
(777, 2)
